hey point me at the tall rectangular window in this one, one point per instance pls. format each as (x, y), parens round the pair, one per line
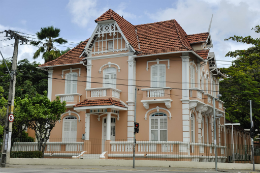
(158, 76)
(158, 130)
(110, 45)
(71, 83)
(192, 76)
(109, 79)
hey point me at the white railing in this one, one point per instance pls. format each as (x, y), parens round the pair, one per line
(104, 92)
(156, 92)
(68, 97)
(116, 93)
(199, 94)
(99, 93)
(121, 146)
(51, 146)
(220, 105)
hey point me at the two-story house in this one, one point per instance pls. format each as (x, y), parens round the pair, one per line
(176, 80)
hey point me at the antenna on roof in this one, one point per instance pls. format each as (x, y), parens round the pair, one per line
(210, 23)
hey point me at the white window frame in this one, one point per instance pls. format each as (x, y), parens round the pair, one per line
(159, 128)
(71, 83)
(207, 122)
(202, 131)
(158, 80)
(192, 129)
(110, 45)
(112, 83)
(192, 76)
(207, 85)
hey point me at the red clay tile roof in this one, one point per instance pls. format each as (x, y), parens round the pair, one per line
(71, 57)
(126, 27)
(196, 38)
(163, 36)
(203, 53)
(100, 102)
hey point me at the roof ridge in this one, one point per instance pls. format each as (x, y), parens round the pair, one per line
(178, 32)
(197, 33)
(155, 22)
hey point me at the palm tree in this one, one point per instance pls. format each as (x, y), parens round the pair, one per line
(48, 37)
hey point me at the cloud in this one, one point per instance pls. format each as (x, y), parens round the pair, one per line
(230, 17)
(121, 10)
(83, 11)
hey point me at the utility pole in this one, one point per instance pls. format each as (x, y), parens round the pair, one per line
(134, 131)
(252, 139)
(215, 137)
(5, 158)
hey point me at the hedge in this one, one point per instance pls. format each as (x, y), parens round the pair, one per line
(26, 154)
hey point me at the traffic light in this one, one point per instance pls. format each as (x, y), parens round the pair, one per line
(136, 127)
(252, 132)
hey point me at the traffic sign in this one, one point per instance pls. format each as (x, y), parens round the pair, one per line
(11, 118)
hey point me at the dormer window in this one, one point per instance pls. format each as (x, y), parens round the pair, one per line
(110, 45)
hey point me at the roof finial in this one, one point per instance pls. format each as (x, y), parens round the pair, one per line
(210, 23)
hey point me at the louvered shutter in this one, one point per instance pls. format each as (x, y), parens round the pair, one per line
(114, 80)
(162, 76)
(68, 83)
(66, 131)
(154, 73)
(73, 130)
(106, 81)
(74, 77)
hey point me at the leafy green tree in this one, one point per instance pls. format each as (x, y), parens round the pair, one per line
(29, 79)
(48, 37)
(3, 103)
(243, 82)
(39, 114)
(64, 51)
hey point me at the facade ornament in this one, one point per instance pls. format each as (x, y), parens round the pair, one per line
(193, 104)
(146, 105)
(70, 112)
(158, 109)
(109, 65)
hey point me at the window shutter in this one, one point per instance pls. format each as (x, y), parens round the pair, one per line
(68, 83)
(73, 131)
(114, 80)
(74, 82)
(162, 76)
(66, 131)
(154, 77)
(106, 81)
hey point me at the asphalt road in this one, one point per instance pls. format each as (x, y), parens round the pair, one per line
(97, 169)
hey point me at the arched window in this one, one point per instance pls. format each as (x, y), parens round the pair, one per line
(202, 82)
(158, 75)
(207, 85)
(207, 129)
(71, 83)
(69, 129)
(192, 76)
(158, 126)
(109, 77)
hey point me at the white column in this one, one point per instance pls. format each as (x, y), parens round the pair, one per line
(89, 67)
(185, 98)
(87, 125)
(131, 97)
(108, 125)
(199, 126)
(50, 72)
(198, 81)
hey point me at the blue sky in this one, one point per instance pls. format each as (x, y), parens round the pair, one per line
(76, 18)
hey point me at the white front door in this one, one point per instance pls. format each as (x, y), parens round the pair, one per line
(104, 131)
(69, 129)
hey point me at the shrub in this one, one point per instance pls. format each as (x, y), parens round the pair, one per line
(26, 154)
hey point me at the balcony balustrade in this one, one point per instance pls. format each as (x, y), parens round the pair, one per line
(103, 92)
(71, 99)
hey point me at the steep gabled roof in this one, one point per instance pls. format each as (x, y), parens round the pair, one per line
(203, 53)
(166, 36)
(126, 27)
(100, 102)
(197, 38)
(71, 57)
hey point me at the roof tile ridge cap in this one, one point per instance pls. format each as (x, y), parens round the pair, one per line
(155, 22)
(179, 35)
(63, 54)
(198, 33)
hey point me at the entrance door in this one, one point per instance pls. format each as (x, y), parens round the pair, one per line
(104, 131)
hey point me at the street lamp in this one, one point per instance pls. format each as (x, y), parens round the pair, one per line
(232, 124)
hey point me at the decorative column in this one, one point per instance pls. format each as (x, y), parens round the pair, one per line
(108, 125)
(88, 84)
(131, 97)
(185, 98)
(87, 126)
(198, 73)
(50, 72)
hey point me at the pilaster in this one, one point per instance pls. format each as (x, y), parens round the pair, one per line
(87, 126)
(108, 125)
(50, 72)
(185, 98)
(89, 67)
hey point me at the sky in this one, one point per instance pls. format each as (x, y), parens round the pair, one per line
(75, 19)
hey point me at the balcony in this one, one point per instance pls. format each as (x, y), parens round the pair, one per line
(196, 94)
(103, 92)
(156, 95)
(71, 99)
